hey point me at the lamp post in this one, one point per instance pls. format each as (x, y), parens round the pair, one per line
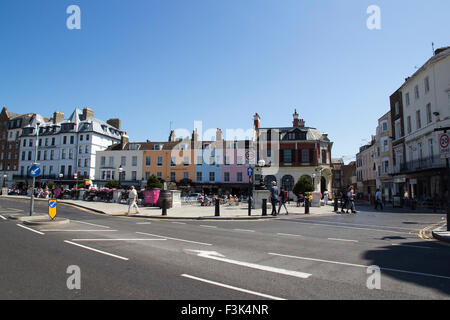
(120, 175)
(34, 164)
(4, 180)
(314, 181)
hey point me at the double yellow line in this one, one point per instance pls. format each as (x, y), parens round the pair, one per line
(425, 233)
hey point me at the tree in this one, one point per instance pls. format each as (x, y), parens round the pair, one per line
(154, 183)
(303, 185)
(112, 184)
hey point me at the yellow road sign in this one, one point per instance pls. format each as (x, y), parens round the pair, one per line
(52, 209)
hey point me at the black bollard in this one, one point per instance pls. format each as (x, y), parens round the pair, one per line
(264, 207)
(249, 206)
(164, 207)
(306, 205)
(336, 208)
(217, 208)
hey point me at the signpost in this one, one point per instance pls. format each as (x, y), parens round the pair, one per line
(444, 150)
(52, 209)
(35, 171)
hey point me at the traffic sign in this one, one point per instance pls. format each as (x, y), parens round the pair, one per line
(35, 171)
(250, 172)
(444, 145)
(52, 209)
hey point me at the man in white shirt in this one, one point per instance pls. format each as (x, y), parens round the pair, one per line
(132, 198)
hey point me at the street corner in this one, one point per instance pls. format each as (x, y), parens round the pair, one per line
(440, 233)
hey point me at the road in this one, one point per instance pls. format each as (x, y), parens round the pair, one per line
(292, 258)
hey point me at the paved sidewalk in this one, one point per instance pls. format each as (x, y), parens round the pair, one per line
(190, 211)
(441, 233)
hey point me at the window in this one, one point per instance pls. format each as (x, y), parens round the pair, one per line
(384, 126)
(52, 154)
(239, 177)
(134, 161)
(63, 153)
(172, 176)
(123, 161)
(305, 155)
(385, 146)
(64, 139)
(199, 176)
(133, 175)
(38, 155)
(46, 142)
(86, 162)
(324, 156)
(212, 176)
(87, 137)
(430, 150)
(287, 156)
(160, 161)
(269, 153)
(416, 92)
(226, 176)
(172, 161)
(427, 84)
(429, 114)
(147, 175)
(111, 161)
(408, 124)
(226, 160)
(72, 139)
(53, 141)
(418, 120)
(397, 107)
(397, 129)
(23, 155)
(159, 174)
(147, 161)
(70, 153)
(81, 137)
(185, 175)
(186, 161)
(79, 163)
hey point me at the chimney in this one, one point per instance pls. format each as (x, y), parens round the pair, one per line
(172, 136)
(58, 117)
(256, 121)
(115, 122)
(88, 113)
(298, 123)
(124, 140)
(219, 136)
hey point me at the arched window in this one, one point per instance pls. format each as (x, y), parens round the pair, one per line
(268, 181)
(287, 182)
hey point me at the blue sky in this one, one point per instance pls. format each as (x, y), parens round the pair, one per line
(150, 62)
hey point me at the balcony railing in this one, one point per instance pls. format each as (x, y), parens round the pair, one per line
(420, 164)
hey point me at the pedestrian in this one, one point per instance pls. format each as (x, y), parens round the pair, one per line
(133, 197)
(283, 199)
(351, 199)
(344, 201)
(325, 197)
(274, 197)
(378, 200)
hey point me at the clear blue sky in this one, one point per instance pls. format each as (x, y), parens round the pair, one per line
(150, 62)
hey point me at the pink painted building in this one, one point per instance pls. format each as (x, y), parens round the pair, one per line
(235, 163)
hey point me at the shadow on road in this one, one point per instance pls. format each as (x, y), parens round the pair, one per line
(427, 263)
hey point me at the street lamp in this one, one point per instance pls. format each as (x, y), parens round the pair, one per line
(4, 180)
(120, 175)
(34, 164)
(314, 181)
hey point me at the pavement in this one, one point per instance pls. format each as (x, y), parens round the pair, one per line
(441, 233)
(190, 211)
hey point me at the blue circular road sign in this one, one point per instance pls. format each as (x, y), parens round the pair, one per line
(35, 171)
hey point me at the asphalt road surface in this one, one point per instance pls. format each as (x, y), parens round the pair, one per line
(292, 258)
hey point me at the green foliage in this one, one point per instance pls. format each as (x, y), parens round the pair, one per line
(52, 185)
(303, 185)
(154, 183)
(112, 184)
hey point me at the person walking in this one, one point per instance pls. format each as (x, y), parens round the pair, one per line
(351, 199)
(283, 199)
(344, 198)
(274, 197)
(325, 197)
(378, 200)
(132, 198)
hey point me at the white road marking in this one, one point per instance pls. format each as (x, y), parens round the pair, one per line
(92, 224)
(63, 230)
(143, 223)
(346, 240)
(189, 241)
(361, 266)
(345, 227)
(159, 239)
(3, 217)
(289, 235)
(205, 226)
(232, 287)
(96, 250)
(244, 230)
(30, 229)
(219, 257)
(175, 222)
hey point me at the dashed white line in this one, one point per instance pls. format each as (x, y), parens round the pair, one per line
(3, 217)
(176, 239)
(345, 240)
(92, 224)
(205, 226)
(176, 222)
(137, 239)
(30, 229)
(71, 230)
(232, 287)
(96, 250)
(289, 235)
(244, 230)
